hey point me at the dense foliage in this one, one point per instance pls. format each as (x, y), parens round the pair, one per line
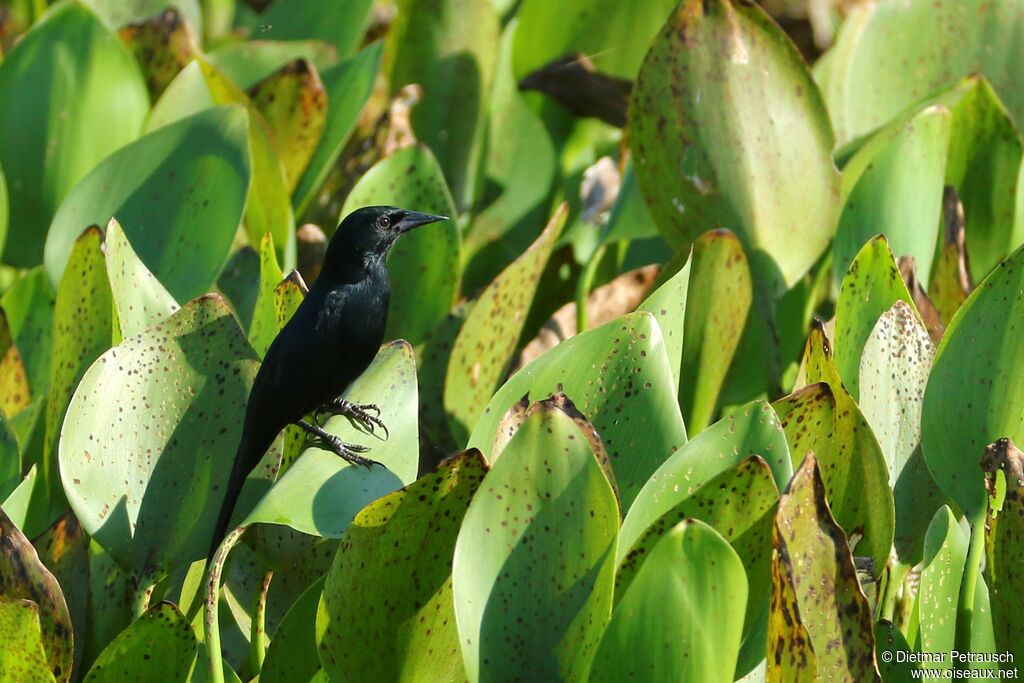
(716, 373)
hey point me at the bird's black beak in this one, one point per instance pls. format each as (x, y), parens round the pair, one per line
(414, 219)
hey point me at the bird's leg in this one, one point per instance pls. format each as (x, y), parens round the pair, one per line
(348, 451)
(356, 412)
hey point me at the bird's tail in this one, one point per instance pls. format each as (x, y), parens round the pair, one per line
(247, 455)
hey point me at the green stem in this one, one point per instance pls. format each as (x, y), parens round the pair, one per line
(897, 572)
(210, 623)
(584, 285)
(965, 616)
(258, 629)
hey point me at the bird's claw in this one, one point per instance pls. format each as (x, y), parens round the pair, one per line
(358, 413)
(347, 451)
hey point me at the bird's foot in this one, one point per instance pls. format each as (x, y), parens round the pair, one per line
(358, 413)
(347, 451)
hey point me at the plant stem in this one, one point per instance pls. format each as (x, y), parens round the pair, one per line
(258, 629)
(210, 622)
(894, 581)
(965, 616)
(584, 285)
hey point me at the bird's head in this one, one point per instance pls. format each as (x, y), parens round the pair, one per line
(371, 230)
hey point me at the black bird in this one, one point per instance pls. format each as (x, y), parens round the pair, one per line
(329, 341)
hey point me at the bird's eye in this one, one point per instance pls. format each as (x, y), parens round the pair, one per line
(383, 222)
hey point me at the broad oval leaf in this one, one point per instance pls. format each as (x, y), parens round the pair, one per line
(28, 303)
(159, 645)
(22, 657)
(1004, 539)
(626, 391)
(406, 541)
(139, 298)
(178, 192)
(974, 392)
(248, 62)
(146, 443)
(425, 263)
(729, 130)
(535, 557)
(292, 655)
(340, 23)
(70, 94)
(945, 550)
(660, 630)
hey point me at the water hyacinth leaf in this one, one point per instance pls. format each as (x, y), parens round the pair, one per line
(425, 263)
(518, 168)
(292, 654)
(16, 505)
(293, 102)
(64, 551)
(28, 304)
(178, 192)
(4, 210)
(450, 49)
(342, 23)
(951, 283)
(738, 503)
(944, 40)
(240, 283)
(162, 45)
(889, 639)
(871, 286)
(626, 392)
(348, 87)
(1004, 541)
(159, 645)
(83, 329)
(753, 430)
(248, 62)
(24, 577)
(22, 657)
(141, 301)
(15, 393)
(321, 493)
(811, 555)
(615, 35)
(893, 375)
(484, 345)
(974, 392)
(264, 326)
(660, 630)
(717, 307)
(667, 302)
(10, 459)
(820, 419)
(406, 541)
(433, 356)
(765, 174)
(116, 13)
(791, 656)
(524, 602)
(945, 550)
(893, 185)
(150, 496)
(70, 94)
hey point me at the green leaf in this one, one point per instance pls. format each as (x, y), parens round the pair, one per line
(945, 551)
(117, 13)
(870, 288)
(240, 282)
(293, 102)
(110, 603)
(28, 304)
(708, 152)
(23, 577)
(449, 47)
(717, 306)
(22, 657)
(341, 23)
(405, 540)
(893, 373)
(83, 328)
(176, 393)
(162, 45)
(64, 551)
(823, 419)
(488, 338)
(160, 645)
(816, 595)
(292, 655)
(615, 35)
(16, 506)
(943, 40)
(15, 393)
(1004, 541)
(10, 459)
(248, 62)
(178, 192)
(660, 631)
(889, 639)
(974, 391)
(526, 608)
(667, 303)
(264, 326)
(348, 86)
(425, 263)
(4, 210)
(70, 94)
(140, 300)
(625, 391)
(753, 430)
(518, 169)
(321, 493)
(893, 185)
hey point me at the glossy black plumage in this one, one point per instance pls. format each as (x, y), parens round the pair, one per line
(326, 345)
